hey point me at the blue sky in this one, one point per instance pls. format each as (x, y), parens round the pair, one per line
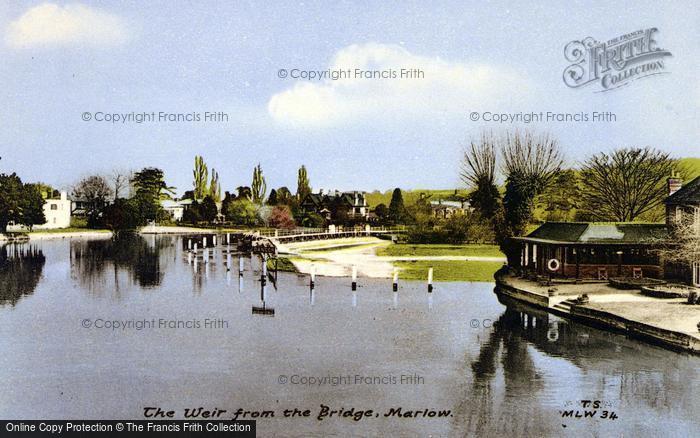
(62, 59)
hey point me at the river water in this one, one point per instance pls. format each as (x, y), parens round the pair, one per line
(491, 369)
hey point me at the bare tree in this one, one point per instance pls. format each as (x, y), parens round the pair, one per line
(530, 157)
(479, 161)
(684, 245)
(625, 184)
(120, 182)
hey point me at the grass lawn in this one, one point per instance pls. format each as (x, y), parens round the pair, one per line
(440, 250)
(448, 270)
(284, 264)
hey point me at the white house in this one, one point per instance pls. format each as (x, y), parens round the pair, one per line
(176, 209)
(57, 213)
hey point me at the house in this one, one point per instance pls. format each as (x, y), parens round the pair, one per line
(175, 208)
(57, 211)
(582, 250)
(337, 206)
(444, 209)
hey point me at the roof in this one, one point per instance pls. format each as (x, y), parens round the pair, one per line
(598, 233)
(688, 194)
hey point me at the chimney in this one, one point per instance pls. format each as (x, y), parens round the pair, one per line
(64, 196)
(674, 183)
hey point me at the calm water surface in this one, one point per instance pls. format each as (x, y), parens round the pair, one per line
(500, 370)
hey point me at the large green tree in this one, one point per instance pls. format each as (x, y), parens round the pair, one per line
(150, 188)
(33, 206)
(19, 203)
(397, 209)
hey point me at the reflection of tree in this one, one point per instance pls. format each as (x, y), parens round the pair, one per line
(516, 415)
(130, 252)
(20, 271)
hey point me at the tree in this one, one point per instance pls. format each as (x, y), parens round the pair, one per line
(625, 184)
(478, 171)
(10, 200)
(208, 209)
(683, 248)
(560, 199)
(397, 210)
(193, 213)
(123, 215)
(303, 185)
(530, 163)
(258, 187)
(32, 206)
(382, 212)
(284, 196)
(241, 212)
(19, 203)
(150, 187)
(201, 175)
(215, 186)
(120, 183)
(95, 191)
(272, 199)
(281, 217)
(244, 192)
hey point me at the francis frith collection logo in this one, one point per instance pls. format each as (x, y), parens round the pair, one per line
(614, 63)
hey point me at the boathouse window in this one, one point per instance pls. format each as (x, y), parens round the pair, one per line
(54, 206)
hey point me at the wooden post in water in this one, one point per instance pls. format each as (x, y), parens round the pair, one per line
(189, 243)
(206, 256)
(395, 287)
(263, 275)
(204, 242)
(214, 240)
(354, 277)
(195, 248)
(430, 280)
(228, 261)
(240, 266)
(313, 277)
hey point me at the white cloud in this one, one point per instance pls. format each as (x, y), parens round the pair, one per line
(51, 25)
(446, 88)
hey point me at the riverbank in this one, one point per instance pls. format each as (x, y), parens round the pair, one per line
(377, 258)
(56, 234)
(668, 322)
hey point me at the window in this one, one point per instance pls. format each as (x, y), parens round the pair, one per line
(54, 206)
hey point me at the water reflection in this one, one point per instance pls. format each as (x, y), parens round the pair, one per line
(142, 258)
(21, 266)
(509, 383)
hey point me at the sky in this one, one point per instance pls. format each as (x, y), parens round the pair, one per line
(62, 60)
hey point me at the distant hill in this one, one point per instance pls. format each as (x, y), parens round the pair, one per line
(411, 196)
(691, 167)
